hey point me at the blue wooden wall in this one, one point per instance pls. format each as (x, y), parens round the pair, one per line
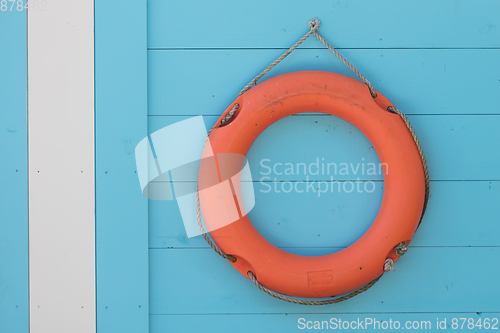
(438, 61)
(120, 123)
(14, 307)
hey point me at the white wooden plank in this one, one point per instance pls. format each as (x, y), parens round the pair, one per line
(61, 166)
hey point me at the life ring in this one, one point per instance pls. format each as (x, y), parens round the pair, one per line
(404, 185)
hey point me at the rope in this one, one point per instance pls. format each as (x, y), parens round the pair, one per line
(347, 63)
(314, 25)
(308, 302)
(227, 118)
(198, 215)
(400, 249)
(389, 265)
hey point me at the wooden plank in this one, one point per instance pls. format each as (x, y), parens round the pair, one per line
(285, 322)
(458, 147)
(440, 279)
(292, 220)
(365, 24)
(121, 210)
(304, 223)
(61, 167)
(14, 306)
(205, 82)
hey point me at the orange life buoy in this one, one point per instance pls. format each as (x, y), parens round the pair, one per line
(404, 184)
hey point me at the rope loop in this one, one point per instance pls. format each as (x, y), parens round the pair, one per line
(389, 265)
(401, 248)
(314, 24)
(229, 117)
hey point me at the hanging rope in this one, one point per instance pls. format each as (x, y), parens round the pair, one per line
(314, 25)
(311, 302)
(399, 249)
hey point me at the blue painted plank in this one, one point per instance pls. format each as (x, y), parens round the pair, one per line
(14, 305)
(459, 214)
(458, 147)
(288, 220)
(439, 279)
(121, 210)
(250, 323)
(369, 24)
(206, 82)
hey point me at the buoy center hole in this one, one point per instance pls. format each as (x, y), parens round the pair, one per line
(318, 184)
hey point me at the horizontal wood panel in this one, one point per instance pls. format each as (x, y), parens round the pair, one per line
(457, 147)
(390, 24)
(206, 82)
(284, 322)
(197, 281)
(460, 213)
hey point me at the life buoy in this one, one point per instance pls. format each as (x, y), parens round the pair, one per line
(404, 185)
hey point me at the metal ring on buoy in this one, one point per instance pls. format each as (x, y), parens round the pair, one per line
(404, 184)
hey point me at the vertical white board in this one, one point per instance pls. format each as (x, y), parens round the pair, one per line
(61, 166)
